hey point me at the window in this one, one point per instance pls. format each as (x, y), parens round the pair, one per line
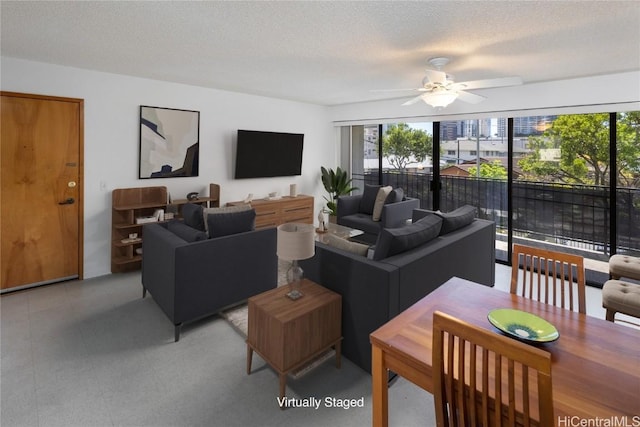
(560, 196)
(628, 183)
(467, 178)
(562, 190)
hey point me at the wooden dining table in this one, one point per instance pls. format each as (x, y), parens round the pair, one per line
(595, 363)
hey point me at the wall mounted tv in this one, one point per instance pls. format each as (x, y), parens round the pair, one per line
(268, 154)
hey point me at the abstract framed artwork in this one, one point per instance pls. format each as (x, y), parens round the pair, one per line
(169, 142)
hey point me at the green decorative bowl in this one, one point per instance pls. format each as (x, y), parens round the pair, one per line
(522, 325)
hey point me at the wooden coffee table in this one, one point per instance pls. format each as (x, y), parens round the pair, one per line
(289, 334)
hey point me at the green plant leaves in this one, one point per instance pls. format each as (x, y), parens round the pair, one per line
(337, 183)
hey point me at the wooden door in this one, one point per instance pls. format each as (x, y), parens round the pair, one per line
(41, 216)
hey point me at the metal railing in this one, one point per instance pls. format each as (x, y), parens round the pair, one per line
(575, 216)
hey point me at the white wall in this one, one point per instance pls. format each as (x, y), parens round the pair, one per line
(111, 129)
(111, 139)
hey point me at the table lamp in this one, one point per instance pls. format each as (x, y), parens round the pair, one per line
(295, 242)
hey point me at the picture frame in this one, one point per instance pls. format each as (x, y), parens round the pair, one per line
(169, 142)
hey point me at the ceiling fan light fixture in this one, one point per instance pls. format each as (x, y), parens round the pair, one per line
(439, 98)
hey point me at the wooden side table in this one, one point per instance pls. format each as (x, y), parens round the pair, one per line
(289, 334)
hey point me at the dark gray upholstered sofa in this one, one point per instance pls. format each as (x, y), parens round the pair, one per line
(373, 292)
(356, 212)
(193, 280)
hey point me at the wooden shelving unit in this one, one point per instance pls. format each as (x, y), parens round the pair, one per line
(127, 205)
(213, 201)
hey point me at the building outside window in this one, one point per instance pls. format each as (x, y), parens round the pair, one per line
(561, 176)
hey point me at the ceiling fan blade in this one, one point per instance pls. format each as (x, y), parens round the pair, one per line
(396, 90)
(436, 76)
(487, 83)
(469, 97)
(413, 100)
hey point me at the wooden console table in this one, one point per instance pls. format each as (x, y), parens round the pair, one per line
(288, 334)
(273, 212)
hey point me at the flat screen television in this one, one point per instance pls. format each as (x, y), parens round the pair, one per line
(267, 154)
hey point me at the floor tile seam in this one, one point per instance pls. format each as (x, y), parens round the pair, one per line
(44, 368)
(84, 334)
(101, 387)
(155, 374)
(33, 362)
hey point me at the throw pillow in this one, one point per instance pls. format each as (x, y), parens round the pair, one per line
(383, 192)
(224, 224)
(393, 241)
(346, 245)
(192, 215)
(186, 232)
(226, 209)
(368, 199)
(395, 196)
(456, 219)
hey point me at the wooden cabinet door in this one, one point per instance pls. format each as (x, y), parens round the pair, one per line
(41, 216)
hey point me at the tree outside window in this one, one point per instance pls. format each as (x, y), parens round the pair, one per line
(575, 150)
(403, 145)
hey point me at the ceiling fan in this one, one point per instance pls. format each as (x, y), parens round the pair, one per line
(439, 89)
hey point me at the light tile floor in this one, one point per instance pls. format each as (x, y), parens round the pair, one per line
(94, 353)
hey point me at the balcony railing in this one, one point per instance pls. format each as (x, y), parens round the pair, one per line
(575, 216)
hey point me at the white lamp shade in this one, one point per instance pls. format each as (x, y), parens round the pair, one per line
(439, 98)
(296, 241)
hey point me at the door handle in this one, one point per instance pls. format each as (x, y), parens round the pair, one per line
(69, 201)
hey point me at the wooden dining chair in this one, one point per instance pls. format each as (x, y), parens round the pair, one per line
(481, 378)
(548, 276)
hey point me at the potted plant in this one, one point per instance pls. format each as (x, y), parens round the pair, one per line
(337, 183)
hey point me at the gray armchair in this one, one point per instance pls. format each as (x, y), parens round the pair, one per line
(351, 214)
(192, 280)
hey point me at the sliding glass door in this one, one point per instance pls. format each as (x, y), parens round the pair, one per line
(546, 181)
(627, 204)
(474, 171)
(393, 154)
(561, 195)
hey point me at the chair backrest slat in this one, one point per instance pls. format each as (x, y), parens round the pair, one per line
(561, 271)
(485, 386)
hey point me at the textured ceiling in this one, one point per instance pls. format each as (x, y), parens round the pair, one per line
(326, 53)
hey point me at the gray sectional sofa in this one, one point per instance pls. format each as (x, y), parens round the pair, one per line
(373, 292)
(357, 211)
